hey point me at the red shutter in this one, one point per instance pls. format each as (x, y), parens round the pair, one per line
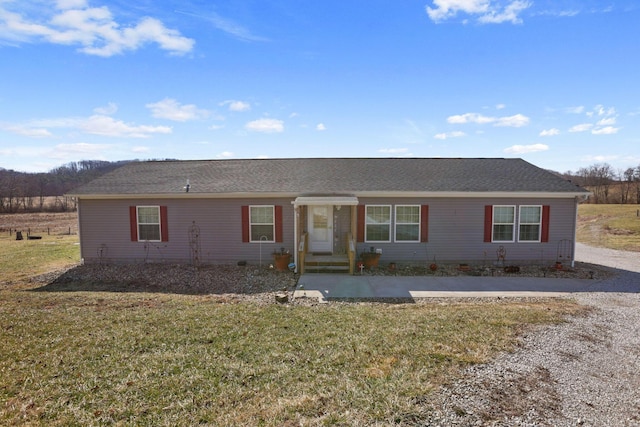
(360, 225)
(278, 215)
(133, 223)
(544, 237)
(488, 222)
(164, 227)
(424, 223)
(245, 224)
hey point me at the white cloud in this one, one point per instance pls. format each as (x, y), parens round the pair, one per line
(523, 149)
(486, 11)
(107, 110)
(512, 121)
(508, 14)
(550, 132)
(454, 134)
(224, 155)
(470, 118)
(517, 120)
(599, 158)
(500, 106)
(92, 28)
(608, 130)
(227, 25)
(31, 132)
(583, 127)
(321, 127)
(82, 149)
(236, 106)
(608, 121)
(171, 109)
(140, 149)
(575, 110)
(107, 126)
(600, 110)
(607, 117)
(393, 151)
(265, 126)
(97, 124)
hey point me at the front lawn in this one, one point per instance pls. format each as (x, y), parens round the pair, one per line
(96, 358)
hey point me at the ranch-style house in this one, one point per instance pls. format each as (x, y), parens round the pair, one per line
(329, 210)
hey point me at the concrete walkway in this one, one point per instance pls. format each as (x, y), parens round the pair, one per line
(331, 286)
(627, 264)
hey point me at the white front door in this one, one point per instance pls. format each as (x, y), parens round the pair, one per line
(320, 223)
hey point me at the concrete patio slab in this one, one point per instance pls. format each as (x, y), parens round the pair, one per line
(341, 286)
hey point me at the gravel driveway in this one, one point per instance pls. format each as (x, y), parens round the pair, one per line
(585, 372)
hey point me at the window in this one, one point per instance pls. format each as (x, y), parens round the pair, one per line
(407, 223)
(378, 223)
(261, 223)
(149, 223)
(530, 223)
(503, 223)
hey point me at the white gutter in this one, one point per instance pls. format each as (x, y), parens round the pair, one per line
(345, 200)
(328, 200)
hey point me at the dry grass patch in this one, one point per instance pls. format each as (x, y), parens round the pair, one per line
(23, 259)
(609, 226)
(151, 359)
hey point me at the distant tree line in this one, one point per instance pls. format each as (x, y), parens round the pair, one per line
(608, 185)
(40, 192)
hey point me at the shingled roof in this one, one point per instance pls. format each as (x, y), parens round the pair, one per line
(311, 176)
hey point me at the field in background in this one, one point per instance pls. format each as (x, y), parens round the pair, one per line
(54, 250)
(609, 226)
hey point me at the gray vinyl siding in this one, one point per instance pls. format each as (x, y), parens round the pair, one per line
(104, 226)
(456, 231)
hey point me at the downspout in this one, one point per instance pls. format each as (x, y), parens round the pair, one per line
(295, 235)
(79, 233)
(575, 229)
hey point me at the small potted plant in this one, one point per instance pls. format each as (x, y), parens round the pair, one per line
(370, 259)
(281, 259)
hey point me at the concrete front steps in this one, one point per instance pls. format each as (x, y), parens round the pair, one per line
(335, 264)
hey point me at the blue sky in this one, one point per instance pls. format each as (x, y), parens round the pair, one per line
(556, 82)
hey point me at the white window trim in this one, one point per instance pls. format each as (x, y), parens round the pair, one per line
(539, 224)
(159, 223)
(273, 224)
(513, 224)
(396, 223)
(366, 237)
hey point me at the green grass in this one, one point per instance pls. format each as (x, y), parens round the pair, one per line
(21, 259)
(114, 358)
(609, 226)
(153, 359)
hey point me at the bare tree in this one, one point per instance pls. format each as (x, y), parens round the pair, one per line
(625, 178)
(598, 178)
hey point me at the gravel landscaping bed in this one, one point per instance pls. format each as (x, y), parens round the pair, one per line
(246, 283)
(255, 283)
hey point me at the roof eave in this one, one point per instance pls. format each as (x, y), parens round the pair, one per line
(389, 194)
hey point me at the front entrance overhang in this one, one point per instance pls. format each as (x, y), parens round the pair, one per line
(325, 200)
(301, 239)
